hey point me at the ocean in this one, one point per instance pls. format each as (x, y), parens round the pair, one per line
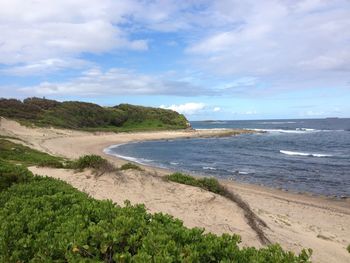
(302, 155)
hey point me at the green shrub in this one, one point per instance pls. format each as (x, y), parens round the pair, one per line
(18, 153)
(12, 173)
(46, 220)
(128, 166)
(348, 248)
(209, 184)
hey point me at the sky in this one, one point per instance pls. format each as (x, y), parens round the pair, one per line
(223, 59)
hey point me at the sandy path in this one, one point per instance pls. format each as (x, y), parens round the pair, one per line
(295, 221)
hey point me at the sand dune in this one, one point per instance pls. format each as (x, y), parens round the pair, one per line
(295, 221)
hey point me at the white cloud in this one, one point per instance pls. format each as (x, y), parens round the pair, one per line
(36, 31)
(283, 44)
(187, 108)
(115, 81)
(248, 47)
(216, 109)
(45, 66)
(250, 112)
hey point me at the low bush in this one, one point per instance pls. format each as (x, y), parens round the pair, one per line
(46, 220)
(128, 166)
(12, 173)
(348, 248)
(95, 162)
(209, 184)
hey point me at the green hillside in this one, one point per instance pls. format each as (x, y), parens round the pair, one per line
(89, 116)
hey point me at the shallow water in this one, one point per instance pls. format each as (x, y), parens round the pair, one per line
(298, 155)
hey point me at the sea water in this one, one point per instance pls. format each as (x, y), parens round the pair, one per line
(296, 155)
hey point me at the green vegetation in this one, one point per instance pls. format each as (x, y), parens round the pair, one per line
(209, 184)
(128, 166)
(348, 248)
(89, 116)
(95, 162)
(20, 154)
(47, 220)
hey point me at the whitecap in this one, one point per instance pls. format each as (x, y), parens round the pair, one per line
(305, 154)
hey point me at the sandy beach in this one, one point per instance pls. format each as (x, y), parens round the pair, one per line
(295, 221)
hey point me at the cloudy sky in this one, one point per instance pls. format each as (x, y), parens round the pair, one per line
(223, 59)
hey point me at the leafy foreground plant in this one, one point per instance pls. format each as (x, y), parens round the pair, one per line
(47, 220)
(130, 166)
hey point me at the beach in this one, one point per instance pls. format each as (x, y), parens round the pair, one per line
(295, 221)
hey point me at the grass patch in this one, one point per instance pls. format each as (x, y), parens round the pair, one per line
(46, 220)
(130, 166)
(18, 153)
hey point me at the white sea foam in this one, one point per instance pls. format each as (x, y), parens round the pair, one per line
(298, 130)
(174, 163)
(240, 172)
(208, 168)
(109, 150)
(305, 154)
(306, 129)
